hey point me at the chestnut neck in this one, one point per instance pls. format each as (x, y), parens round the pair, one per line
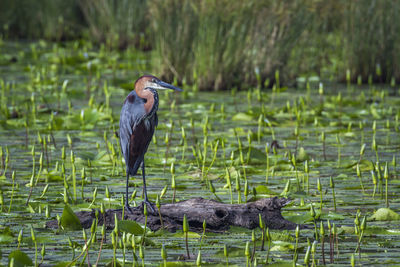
(151, 97)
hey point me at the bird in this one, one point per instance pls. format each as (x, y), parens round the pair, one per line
(137, 124)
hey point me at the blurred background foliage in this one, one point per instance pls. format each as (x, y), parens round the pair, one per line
(220, 44)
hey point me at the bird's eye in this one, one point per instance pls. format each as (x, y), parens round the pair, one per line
(153, 80)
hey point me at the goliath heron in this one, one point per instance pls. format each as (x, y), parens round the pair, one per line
(137, 123)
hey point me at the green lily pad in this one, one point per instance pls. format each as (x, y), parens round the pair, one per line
(333, 216)
(256, 155)
(232, 252)
(242, 117)
(298, 218)
(20, 259)
(384, 214)
(346, 230)
(264, 190)
(190, 235)
(69, 220)
(131, 227)
(302, 155)
(6, 238)
(282, 246)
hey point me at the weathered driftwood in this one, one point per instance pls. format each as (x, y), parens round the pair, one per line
(219, 216)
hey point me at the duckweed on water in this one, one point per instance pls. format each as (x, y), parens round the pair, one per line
(60, 153)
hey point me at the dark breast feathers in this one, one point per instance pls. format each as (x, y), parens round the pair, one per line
(136, 129)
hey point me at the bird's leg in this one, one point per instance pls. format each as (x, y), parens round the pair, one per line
(146, 200)
(127, 194)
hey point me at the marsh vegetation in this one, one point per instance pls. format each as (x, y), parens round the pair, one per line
(335, 154)
(280, 99)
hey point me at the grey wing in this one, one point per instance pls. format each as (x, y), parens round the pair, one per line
(132, 114)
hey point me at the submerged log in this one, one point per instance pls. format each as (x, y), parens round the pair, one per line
(218, 216)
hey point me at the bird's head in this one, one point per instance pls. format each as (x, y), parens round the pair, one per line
(151, 82)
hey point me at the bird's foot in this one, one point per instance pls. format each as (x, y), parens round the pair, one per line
(150, 206)
(128, 208)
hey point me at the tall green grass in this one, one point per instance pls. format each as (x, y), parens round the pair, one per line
(371, 39)
(48, 19)
(117, 23)
(319, 50)
(217, 44)
(174, 25)
(220, 44)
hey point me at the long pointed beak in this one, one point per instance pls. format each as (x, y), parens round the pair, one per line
(164, 85)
